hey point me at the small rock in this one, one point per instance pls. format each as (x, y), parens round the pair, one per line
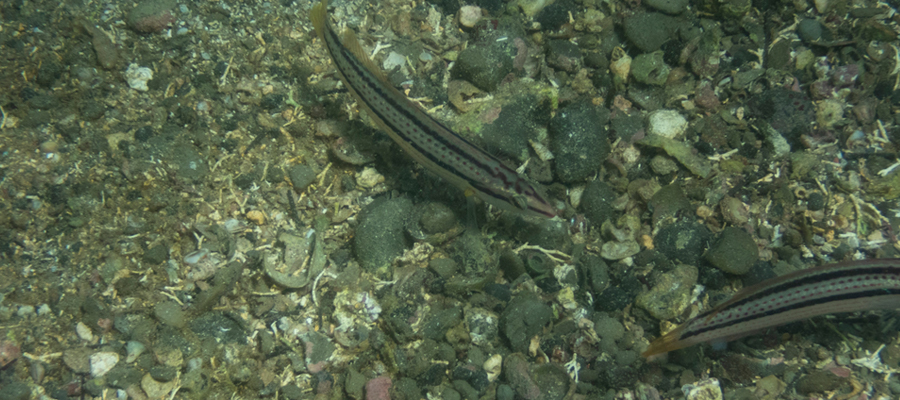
(733, 252)
(578, 140)
(667, 123)
(663, 165)
(671, 7)
(671, 294)
(469, 16)
(735, 211)
(619, 250)
(524, 317)
(516, 370)
(9, 352)
(819, 382)
(378, 388)
(156, 389)
(707, 389)
(78, 360)
(683, 241)
(301, 176)
(102, 362)
(151, 16)
(369, 177)
(380, 235)
(133, 350)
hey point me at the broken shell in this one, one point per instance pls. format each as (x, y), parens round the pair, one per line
(621, 63)
(84, 332)
(493, 367)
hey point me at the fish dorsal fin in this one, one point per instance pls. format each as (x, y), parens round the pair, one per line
(351, 43)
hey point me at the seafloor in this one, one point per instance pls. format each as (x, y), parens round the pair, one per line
(193, 206)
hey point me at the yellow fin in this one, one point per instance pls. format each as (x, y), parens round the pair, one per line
(352, 44)
(317, 16)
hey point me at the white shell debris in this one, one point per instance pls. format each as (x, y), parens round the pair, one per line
(84, 332)
(706, 389)
(103, 362)
(137, 77)
(493, 367)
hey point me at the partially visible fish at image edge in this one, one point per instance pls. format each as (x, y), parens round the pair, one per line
(425, 139)
(834, 288)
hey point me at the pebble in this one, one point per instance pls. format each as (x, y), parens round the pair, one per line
(484, 66)
(672, 7)
(78, 360)
(597, 202)
(380, 235)
(469, 16)
(25, 311)
(734, 251)
(683, 241)
(667, 123)
(619, 250)
(524, 317)
(301, 176)
(531, 7)
(516, 372)
(369, 177)
(378, 388)
(650, 68)
(671, 294)
(102, 362)
(156, 389)
(578, 140)
(663, 165)
(707, 389)
(734, 211)
(133, 350)
(483, 326)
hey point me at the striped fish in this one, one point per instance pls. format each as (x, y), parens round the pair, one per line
(835, 288)
(425, 139)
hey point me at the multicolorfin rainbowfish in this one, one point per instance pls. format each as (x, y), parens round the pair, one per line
(425, 139)
(835, 288)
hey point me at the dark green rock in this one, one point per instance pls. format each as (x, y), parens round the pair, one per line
(671, 7)
(380, 235)
(524, 317)
(437, 218)
(220, 326)
(170, 313)
(519, 121)
(15, 391)
(648, 31)
(683, 241)
(596, 202)
(816, 201)
(483, 66)
(156, 254)
(650, 68)
(819, 382)
(301, 176)
(578, 140)
(734, 251)
(163, 373)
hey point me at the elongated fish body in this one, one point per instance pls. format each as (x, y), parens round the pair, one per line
(835, 288)
(426, 140)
